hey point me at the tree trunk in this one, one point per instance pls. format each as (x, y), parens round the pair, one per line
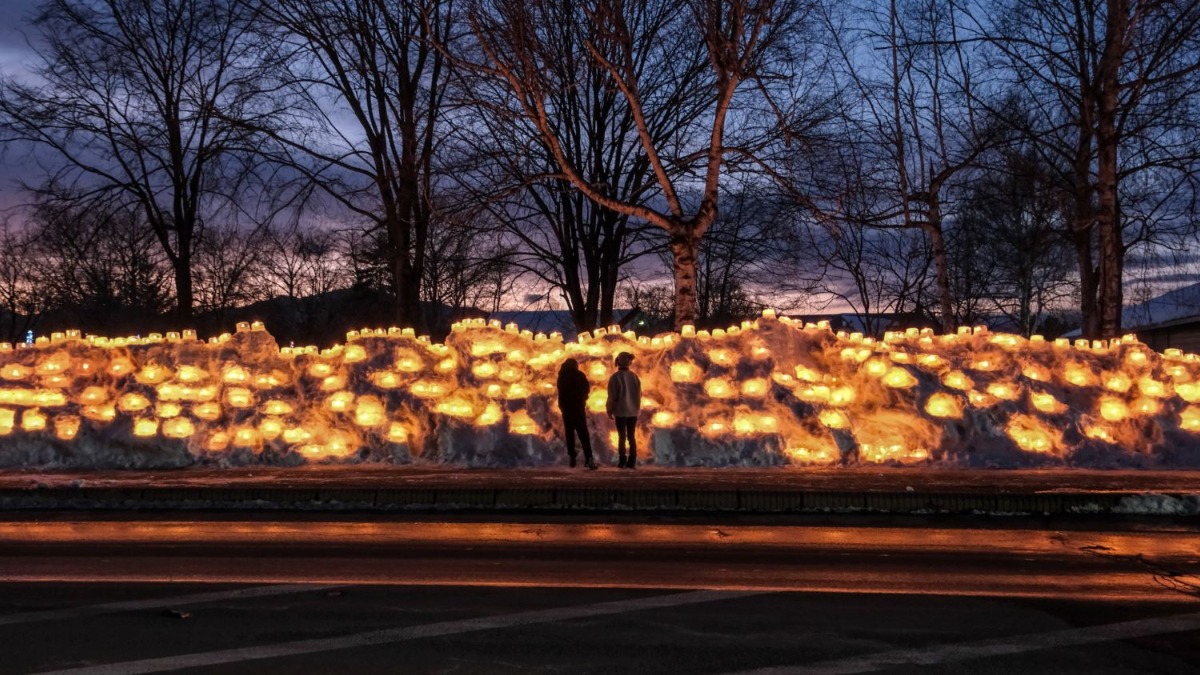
(183, 287)
(937, 242)
(1112, 249)
(1090, 324)
(684, 245)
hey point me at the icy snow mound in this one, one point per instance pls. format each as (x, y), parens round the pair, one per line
(772, 392)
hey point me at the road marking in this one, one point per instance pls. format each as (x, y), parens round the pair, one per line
(155, 603)
(391, 635)
(1005, 646)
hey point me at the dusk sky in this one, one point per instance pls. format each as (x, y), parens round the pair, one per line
(15, 57)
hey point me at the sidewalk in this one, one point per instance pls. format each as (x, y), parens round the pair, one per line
(387, 488)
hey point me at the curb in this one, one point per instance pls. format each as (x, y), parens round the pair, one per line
(570, 498)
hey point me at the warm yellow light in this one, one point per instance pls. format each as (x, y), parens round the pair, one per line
(834, 419)
(354, 354)
(1036, 373)
(930, 361)
(521, 424)
(755, 387)
(1189, 392)
(369, 412)
(166, 410)
(516, 392)
(296, 435)
(15, 371)
(153, 374)
(485, 370)
(723, 357)
(46, 398)
(277, 408)
(876, 367)
(842, 396)
(1032, 436)
(956, 379)
(1079, 376)
(235, 375)
(66, 427)
(191, 374)
(428, 389)
(339, 402)
(133, 403)
(491, 415)
(99, 413)
(245, 437)
(944, 406)
(899, 378)
(239, 397)
(218, 442)
(597, 400)
(1189, 419)
(1118, 382)
(178, 428)
(120, 367)
(718, 388)
(397, 433)
(7, 421)
(663, 419)
(455, 407)
(209, 412)
(684, 372)
(1146, 406)
(1151, 387)
(1005, 391)
(144, 427)
(1046, 403)
(1112, 409)
(270, 428)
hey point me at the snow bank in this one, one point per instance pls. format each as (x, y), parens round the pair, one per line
(771, 392)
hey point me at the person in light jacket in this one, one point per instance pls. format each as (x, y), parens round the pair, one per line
(573, 389)
(624, 404)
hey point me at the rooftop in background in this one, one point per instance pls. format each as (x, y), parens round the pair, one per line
(1171, 320)
(1179, 305)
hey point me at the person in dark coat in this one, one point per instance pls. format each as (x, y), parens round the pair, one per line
(573, 389)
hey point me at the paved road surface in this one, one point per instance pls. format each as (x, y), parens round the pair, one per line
(844, 479)
(123, 593)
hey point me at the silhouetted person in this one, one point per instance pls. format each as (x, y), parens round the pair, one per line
(573, 389)
(624, 404)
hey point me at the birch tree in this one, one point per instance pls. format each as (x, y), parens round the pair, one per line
(1114, 86)
(657, 55)
(135, 101)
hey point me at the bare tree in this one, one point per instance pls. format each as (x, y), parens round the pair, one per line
(135, 98)
(567, 241)
(21, 298)
(228, 262)
(467, 264)
(369, 92)
(102, 267)
(711, 49)
(919, 123)
(1108, 79)
(752, 258)
(1008, 245)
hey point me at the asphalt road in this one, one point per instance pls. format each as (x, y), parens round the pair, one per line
(125, 593)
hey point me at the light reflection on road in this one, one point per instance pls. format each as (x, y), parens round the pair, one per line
(1110, 564)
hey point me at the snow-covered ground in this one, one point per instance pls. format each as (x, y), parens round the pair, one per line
(770, 393)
